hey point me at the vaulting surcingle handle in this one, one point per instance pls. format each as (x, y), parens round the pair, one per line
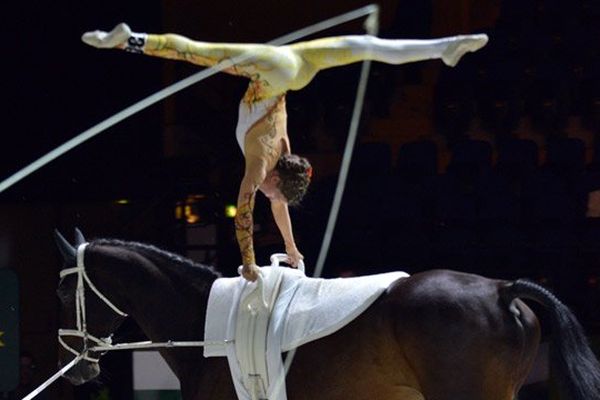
(279, 257)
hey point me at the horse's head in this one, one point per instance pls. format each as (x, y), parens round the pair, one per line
(88, 318)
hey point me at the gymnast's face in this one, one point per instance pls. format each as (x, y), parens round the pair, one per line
(270, 187)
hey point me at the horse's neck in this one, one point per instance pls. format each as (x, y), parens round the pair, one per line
(164, 308)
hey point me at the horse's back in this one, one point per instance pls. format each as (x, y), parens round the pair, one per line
(459, 336)
(360, 361)
(437, 335)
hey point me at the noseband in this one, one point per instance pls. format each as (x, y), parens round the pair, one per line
(80, 311)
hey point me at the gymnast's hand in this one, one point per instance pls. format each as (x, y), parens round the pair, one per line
(294, 256)
(250, 272)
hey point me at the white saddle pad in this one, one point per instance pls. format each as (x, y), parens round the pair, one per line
(302, 309)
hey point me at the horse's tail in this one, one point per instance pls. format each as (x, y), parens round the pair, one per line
(576, 366)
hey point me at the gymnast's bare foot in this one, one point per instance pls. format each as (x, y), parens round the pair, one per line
(106, 40)
(460, 45)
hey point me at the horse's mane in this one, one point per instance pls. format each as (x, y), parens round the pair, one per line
(172, 262)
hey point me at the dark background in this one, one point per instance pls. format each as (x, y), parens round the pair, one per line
(537, 76)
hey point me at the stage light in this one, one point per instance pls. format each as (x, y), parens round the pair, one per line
(179, 211)
(122, 202)
(191, 214)
(200, 209)
(230, 211)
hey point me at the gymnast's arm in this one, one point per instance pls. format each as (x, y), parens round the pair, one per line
(254, 175)
(281, 215)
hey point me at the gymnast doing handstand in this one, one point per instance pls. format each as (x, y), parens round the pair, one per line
(270, 165)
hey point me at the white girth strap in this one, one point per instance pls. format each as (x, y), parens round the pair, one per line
(253, 317)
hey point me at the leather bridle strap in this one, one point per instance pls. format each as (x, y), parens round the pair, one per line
(80, 310)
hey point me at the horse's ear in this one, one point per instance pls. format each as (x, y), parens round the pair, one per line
(68, 252)
(79, 238)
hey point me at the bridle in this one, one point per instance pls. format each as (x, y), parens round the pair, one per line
(105, 344)
(80, 311)
(100, 344)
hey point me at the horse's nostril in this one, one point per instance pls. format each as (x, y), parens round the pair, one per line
(76, 380)
(80, 373)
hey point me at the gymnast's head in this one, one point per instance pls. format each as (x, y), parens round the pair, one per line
(290, 179)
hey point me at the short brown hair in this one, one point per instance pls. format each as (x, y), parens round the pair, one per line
(295, 174)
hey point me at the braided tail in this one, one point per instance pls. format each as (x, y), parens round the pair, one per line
(577, 368)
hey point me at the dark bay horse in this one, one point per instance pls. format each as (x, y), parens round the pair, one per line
(437, 335)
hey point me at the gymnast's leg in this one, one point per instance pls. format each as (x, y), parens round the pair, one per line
(259, 61)
(336, 51)
(288, 67)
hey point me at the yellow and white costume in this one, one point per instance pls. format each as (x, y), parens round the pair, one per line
(273, 70)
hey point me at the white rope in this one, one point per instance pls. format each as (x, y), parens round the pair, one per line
(172, 89)
(344, 168)
(155, 345)
(54, 377)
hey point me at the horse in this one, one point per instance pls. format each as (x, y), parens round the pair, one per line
(436, 335)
